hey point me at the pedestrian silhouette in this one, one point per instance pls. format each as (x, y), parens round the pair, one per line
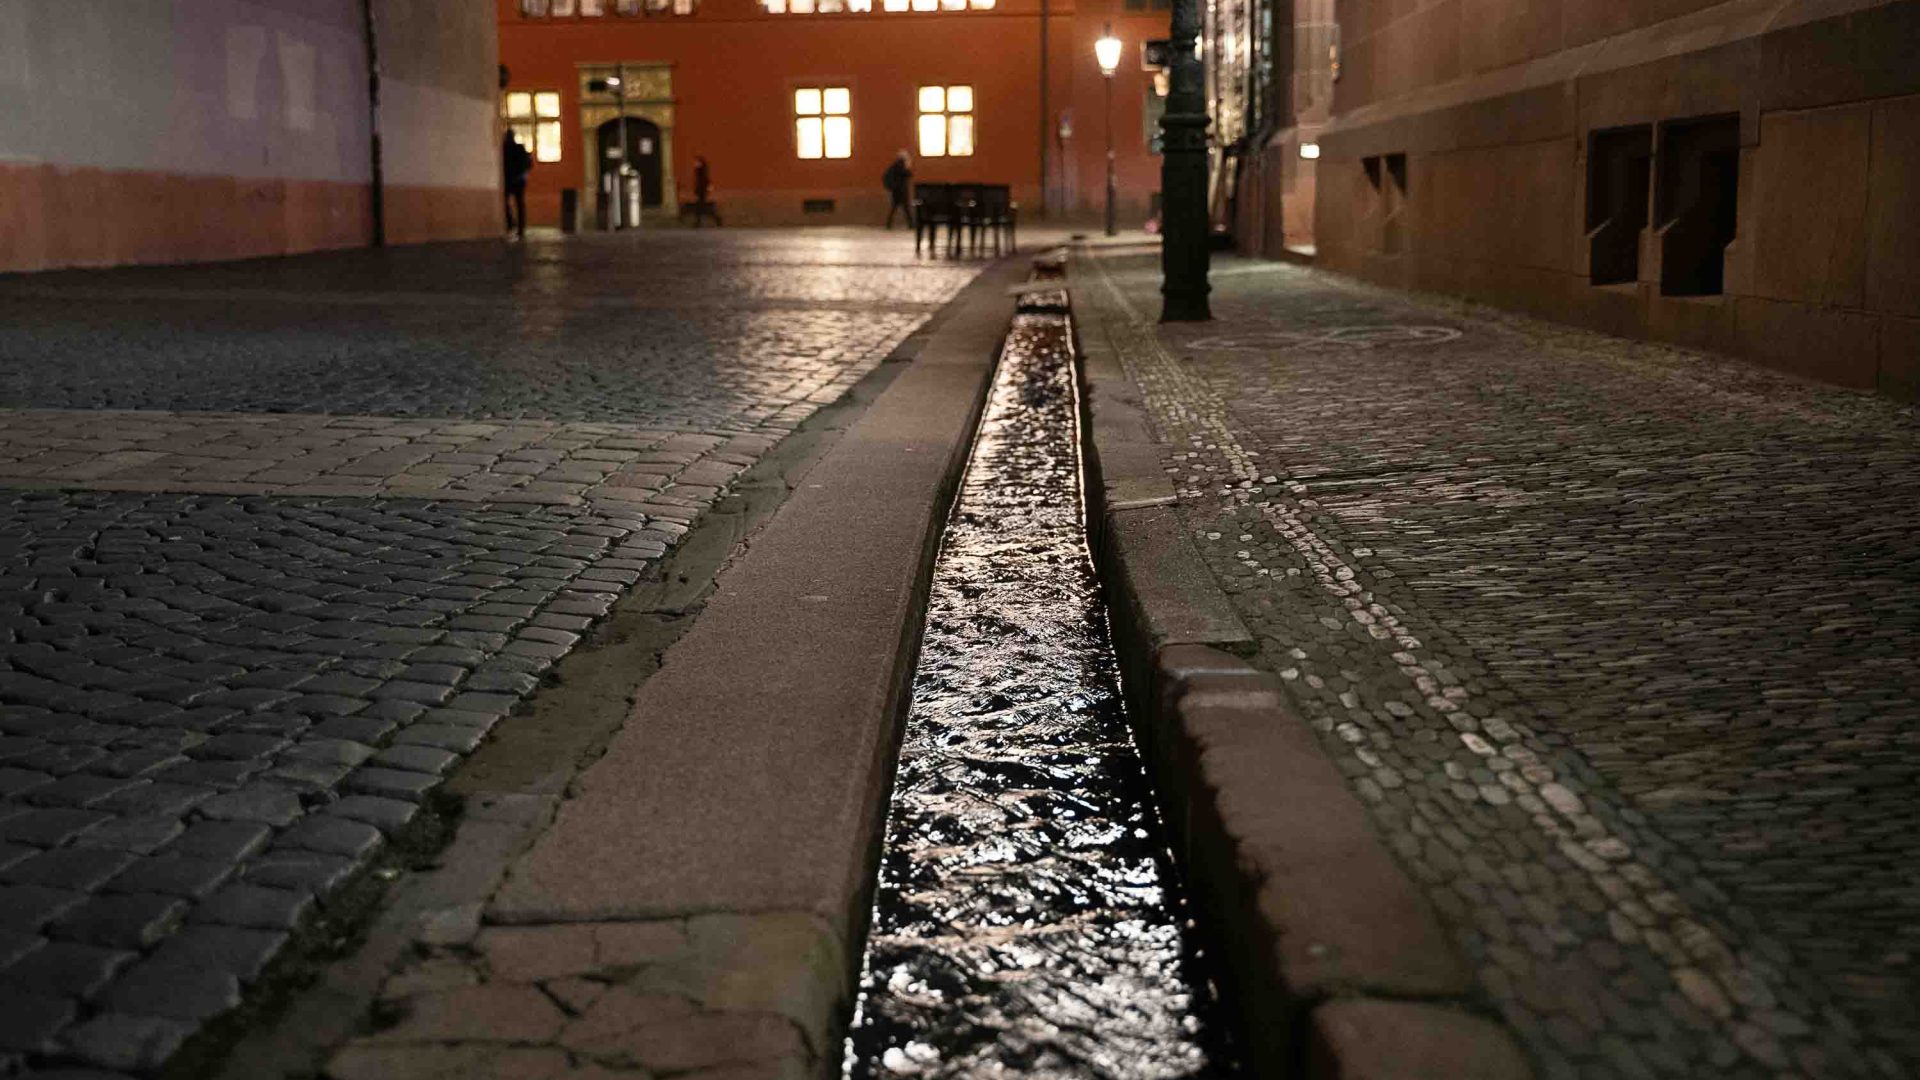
(703, 193)
(899, 179)
(515, 164)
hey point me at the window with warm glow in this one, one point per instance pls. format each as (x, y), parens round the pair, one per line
(823, 122)
(534, 118)
(946, 121)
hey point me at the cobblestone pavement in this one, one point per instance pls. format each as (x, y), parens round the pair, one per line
(1616, 642)
(280, 542)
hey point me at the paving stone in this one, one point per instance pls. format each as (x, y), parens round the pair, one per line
(49, 828)
(15, 945)
(254, 907)
(156, 798)
(242, 952)
(157, 987)
(459, 740)
(388, 815)
(390, 783)
(24, 909)
(65, 969)
(122, 1041)
(333, 751)
(298, 871)
(332, 835)
(183, 876)
(75, 869)
(130, 921)
(227, 841)
(75, 791)
(267, 804)
(29, 1022)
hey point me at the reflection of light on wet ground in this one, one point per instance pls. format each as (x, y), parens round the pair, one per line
(1025, 924)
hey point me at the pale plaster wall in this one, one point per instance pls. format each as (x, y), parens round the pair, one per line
(240, 88)
(439, 93)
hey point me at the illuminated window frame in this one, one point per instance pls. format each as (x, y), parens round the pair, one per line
(534, 118)
(945, 125)
(822, 122)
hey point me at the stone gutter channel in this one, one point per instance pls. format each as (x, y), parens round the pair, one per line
(1028, 921)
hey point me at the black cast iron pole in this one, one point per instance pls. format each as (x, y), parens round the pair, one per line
(1111, 182)
(1183, 177)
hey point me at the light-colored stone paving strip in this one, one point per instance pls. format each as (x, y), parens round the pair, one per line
(663, 474)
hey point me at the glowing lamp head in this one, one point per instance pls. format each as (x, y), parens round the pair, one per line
(1107, 51)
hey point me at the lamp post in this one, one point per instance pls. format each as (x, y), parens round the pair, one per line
(1107, 51)
(1183, 177)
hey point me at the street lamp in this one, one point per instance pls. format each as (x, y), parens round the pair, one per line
(1107, 51)
(1183, 175)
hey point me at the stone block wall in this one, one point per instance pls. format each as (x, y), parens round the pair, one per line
(1462, 158)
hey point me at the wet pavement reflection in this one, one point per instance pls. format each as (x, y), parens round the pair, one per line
(1026, 921)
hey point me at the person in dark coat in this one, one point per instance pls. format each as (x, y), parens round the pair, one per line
(703, 193)
(899, 182)
(515, 164)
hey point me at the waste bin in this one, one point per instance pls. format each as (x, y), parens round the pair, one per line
(570, 210)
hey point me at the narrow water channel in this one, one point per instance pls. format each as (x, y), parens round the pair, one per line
(1026, 921)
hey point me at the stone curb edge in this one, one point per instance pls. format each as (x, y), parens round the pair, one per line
(1333, 964)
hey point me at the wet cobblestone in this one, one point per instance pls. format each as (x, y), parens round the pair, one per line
(1614, 640)
(238, 649)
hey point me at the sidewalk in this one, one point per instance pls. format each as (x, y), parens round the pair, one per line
(1612, 642)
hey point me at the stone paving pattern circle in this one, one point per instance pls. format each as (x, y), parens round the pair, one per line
(1615, 641)
(241, 642)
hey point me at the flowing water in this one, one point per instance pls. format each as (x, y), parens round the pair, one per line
(1027, 921)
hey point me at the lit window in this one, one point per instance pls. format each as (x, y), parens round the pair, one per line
(533, 9)
(831, 7)
(926, 5)
(800, 7)
(593, 8)
(561, 8)
(953, 5)
(894, 5)
(774, 7)
(859, 5)
(534, 119)
(946, 121)
(983, 5)
(823, 122)
(626, 7)
(685, 7)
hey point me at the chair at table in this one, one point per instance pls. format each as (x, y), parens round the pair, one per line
(964, 237)
(932, 207)
(998, 214)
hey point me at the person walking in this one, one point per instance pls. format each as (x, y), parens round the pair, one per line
(899, 181)
(515, 164)
(703, 193)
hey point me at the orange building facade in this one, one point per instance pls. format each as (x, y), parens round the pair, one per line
(799, 112)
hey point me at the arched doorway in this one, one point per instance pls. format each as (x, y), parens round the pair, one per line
(643, 150)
